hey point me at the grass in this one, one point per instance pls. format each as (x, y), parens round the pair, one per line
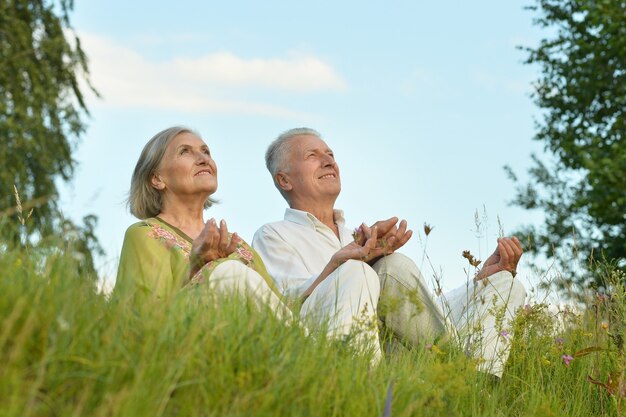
(66, 350)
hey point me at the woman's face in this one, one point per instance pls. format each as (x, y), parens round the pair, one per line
(187, 168)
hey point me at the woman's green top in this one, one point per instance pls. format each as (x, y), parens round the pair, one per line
(155, 261)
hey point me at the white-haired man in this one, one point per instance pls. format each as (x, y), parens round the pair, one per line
(349, 280)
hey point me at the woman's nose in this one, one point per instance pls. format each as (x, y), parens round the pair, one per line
(202, 158)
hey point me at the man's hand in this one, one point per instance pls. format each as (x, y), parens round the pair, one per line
(362, 252)
(391, 237)
(396, 238)
(504, 258)
(365, 252)
(212, 243)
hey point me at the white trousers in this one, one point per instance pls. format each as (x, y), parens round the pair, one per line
(350, 300)
(478, 315)
(346, 302)
(233, 277)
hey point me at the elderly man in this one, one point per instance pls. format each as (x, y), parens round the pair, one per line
(347, 280)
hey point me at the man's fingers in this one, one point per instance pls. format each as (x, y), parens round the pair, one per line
(372, 234)
(507, 254)
(402, 228)
(366, 231)
(405, 238)
(518, 244)
(384, 226)
(373, 237)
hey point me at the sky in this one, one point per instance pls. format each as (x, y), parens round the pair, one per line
(423, 104)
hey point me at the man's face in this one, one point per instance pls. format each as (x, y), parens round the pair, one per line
(311, 174)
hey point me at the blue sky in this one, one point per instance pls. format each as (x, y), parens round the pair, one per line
(422, 102)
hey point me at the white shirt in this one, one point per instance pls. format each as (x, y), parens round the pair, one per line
(296, 249)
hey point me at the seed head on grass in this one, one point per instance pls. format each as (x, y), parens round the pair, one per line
(470, 258)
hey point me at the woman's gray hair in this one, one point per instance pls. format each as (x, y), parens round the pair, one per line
(144, 201)
(276, 154)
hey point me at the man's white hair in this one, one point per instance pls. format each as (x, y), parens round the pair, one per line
(277, 154)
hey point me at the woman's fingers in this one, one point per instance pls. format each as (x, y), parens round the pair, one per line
(232, 246)
(223, 232)
(213, 234)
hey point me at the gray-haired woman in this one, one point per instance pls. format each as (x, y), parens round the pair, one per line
(172, 246)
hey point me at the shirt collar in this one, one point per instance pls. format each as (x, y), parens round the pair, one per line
(307, 219)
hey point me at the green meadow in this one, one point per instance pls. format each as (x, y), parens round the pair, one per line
(68, 350)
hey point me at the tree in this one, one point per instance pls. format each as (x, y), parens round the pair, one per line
(582, 92)
(41, 118)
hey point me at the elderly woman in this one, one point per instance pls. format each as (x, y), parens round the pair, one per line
(172, 246)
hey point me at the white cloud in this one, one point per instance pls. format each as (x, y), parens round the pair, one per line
(297, 73)
(217, 82)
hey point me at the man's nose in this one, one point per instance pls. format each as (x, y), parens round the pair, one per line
(328, 160)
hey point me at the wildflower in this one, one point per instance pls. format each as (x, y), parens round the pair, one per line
(605, 325)
(602, 297)
(427, 228)
(559, 341)
(504, 334)
(357, 234)
(567, 359)
(434, 349)
(63, 324)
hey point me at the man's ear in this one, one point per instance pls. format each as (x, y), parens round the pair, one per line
(282, 179)
(156, 181)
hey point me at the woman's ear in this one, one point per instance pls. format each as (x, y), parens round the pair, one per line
(157, 181)
(282, 179)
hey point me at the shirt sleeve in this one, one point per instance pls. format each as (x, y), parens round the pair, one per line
(146, 268)
(283, 262)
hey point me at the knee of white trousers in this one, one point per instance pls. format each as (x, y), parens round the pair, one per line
(407, 306)
(234, 276)
(345, 292)
(357, 279)
(402, 269)
(346, 302)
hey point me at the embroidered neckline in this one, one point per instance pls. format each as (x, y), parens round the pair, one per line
(176, 229)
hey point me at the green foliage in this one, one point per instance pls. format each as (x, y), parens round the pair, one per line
(582, 92)
(41, 120)
(66, 349)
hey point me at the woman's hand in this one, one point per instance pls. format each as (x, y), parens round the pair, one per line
(211, 244)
